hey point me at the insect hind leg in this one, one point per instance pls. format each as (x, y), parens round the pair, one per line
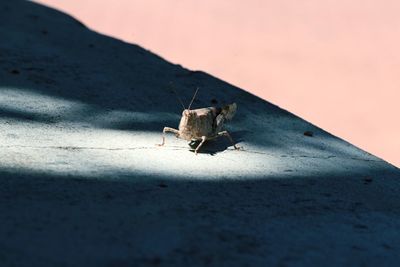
(203, 139)
(225, 133)
(167, 129)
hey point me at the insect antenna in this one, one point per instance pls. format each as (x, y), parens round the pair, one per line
(194, 96)
(177, 96)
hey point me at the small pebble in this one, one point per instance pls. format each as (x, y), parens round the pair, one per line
(162, 185)
(360, 226)
(309, 133)
(108, 196)
(155, 261)
(368, 180)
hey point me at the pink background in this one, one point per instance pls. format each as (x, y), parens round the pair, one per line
(335, 63)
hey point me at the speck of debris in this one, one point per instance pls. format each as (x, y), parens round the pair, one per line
(32, 16)
(308, 133)
(214, 101)
(360, 226)
(45, 32)
(162, 185)
(14, 71)
(386, 246)
(368, 180)
(357, 248)
(156, 261)
(91, 45)
(108, 196)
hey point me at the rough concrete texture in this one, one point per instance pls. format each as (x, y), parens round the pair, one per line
(83, 184)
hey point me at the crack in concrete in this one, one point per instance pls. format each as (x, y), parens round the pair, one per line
(179, 148)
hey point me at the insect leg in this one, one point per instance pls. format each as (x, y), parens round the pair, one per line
(225, 133)
(203, 139)
(167, 129)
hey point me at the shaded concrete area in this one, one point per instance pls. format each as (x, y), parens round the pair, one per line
(149, 220)
(83, 184)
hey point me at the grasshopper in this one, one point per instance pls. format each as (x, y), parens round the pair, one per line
(201, 125)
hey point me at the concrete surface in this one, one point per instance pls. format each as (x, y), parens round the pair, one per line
(83, 184)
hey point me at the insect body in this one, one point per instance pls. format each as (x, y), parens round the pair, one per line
(200, 125)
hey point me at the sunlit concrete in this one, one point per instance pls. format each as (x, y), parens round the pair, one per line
(105, 153)
(81, 145)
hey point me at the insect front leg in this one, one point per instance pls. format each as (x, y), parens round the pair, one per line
(203, 139)
(225, 133)
(167, 129)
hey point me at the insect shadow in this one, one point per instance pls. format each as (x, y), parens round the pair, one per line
(211, 147)
(215, 146)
